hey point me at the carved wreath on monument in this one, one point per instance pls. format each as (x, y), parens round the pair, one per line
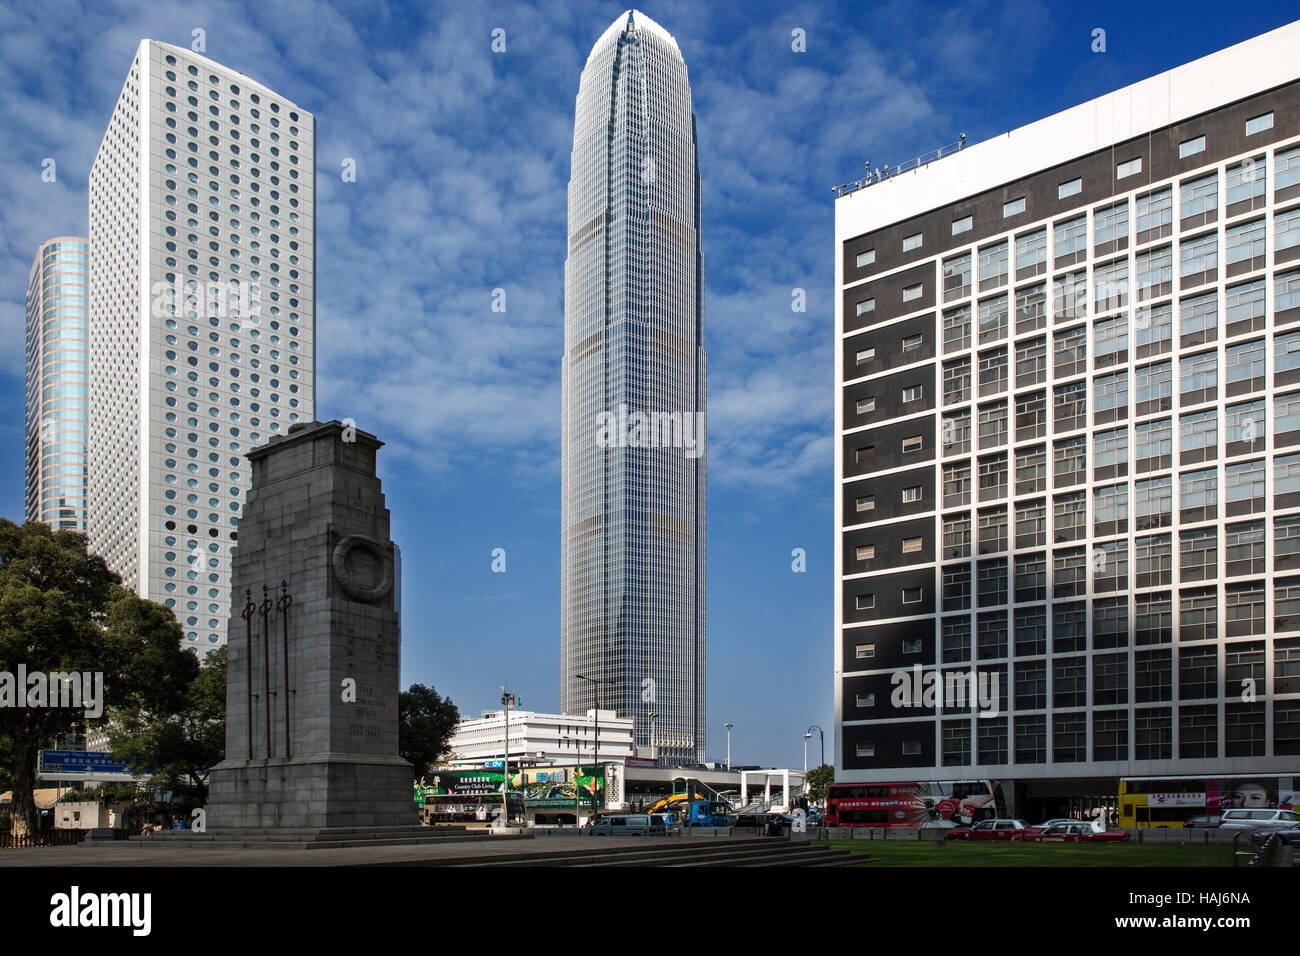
(360, 586)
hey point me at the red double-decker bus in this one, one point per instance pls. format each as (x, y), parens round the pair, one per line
(913, 803)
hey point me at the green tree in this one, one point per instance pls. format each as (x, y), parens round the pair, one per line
(179, 745)
(819, 781)
(426, 721)
(63, 611)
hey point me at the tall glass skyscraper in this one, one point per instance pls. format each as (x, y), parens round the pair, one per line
(634, 396)
(58, 387)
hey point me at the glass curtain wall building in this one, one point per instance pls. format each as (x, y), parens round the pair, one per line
(634, 396)
(58, 387)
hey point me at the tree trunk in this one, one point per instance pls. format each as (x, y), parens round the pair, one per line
(24, 819)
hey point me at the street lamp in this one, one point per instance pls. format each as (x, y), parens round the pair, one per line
(822, 736)
(595, 740)
(729, 726)
(806, 738)
(654, 748)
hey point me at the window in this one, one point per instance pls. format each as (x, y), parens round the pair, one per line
(912, 443)
(911, 545)
(913, 342)
(1031, 361)
(1286, 414)
(1109, 507)
(1286, 292)
(1110, 392)
(1245, 242)
(1246, 180)
(993, 265)
(1246, 361)
(1198, 430)
(866, 306)
(1155, 383)
(1110, 336)
(956, 277)
(911, 747)
(1190, 147)
(1245, 481)
(1199, 197)
(864, 455)
(1072, 188)
(1246, 305)
(956, 381)
(1199, 314)
(1286, 229)
(1128, 168)
(866, 602)
(993, 371)
(912, 393)
(956, 329)
(865, 405)
(1199, 490)
(1154, 499)
(1013, 208)
(864, 749)
(866, 258)
(1111, 285)
(1031, 250)
(1286, 352)
(1258, 124)
(962, 225)
(865, 552)
(1155, 439)
(1155, 272)
(1110, 448)
(1031, 308)
(993, 319)
(912, 242)
(993, 424)
(1071, 349)
(1155, 211)
(1111, 224)
(866, 700)
(865, 651)
(1071, 459)
(1286, 168)
(1245, 422)
(911, 596)
(865, 355)
(1200, 372)
(866, 503)
(912, 494)
(912, 292)
(1071, 236)
(1286, 475)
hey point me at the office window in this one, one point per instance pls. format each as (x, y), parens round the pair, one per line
(1244, 481)
(1286, 168)
(912, 443)
(912, 242)
(962, 225)
(911, 596)
(912, 292)
(1110, 448)
(1245, 241)
(1198, 430)
(1155, 439)
(1198, 732)
(992, 530)
(1110, 336)
(1031, 250)
(956, 381)
(956, 329)
(1109, 507)
(864, 454)
(993, 477)
(865, 355)
(1190, 147)
(1199, 314)
(866, 503)
(1245, 423)
(1154, 499)
(1128, 168)
(1109, 679)
(913, 646)
(1155, 272)
(956, 433)
(911, 748)
(1199, 490)
(1286, 291)
(1155, 383)
(1286, 476)
(1198, 197)
(912, 393)
(993, 265)
(993, 424)
(865, 405)
(865, 552)
(911, 545)
(1199, 255)
(866, 306)
(1013, 208)
(1071, 349)
(1245, 304)
(1072, 188)
(1031, 308)
(1031, 361)
(1031, 416)
(1199, 372)
(1286, 414)
(1246, 180)
(1286, 230)
(1111, 224)
(956, 537)
(912, 494)
(993, 371)
(1031, 521)
(1257, 124)
(1071, 299)
(993, 319)
(1286, 352)
(865, 651)
(866, 602)
(1246, 361)
(1154, 560)
(1155, 211)
(865, 700)
(956, 277)
(866, 258)
(1110, 285)
(1110, 392)
(912, 342)
(1071, 236)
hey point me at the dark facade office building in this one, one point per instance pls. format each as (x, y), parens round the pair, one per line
(1068, 462)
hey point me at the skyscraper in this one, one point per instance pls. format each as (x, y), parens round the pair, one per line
(1068, 421)
(632, 612)
(57, 383)
(202, 325)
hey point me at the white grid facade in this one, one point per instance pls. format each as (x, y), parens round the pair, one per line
(202, 237)
(633, 516)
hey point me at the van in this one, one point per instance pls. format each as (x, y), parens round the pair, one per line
(622, 824)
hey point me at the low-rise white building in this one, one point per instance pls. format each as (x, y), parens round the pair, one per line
(545, 738)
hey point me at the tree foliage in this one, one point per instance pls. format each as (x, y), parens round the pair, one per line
(426, 722)
(819, 781)
(61, 611)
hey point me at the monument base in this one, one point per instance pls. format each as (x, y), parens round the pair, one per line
(310, 794)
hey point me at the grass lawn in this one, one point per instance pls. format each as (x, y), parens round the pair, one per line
(959, 853)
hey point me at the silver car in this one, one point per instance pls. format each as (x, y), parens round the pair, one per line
(1256, 819)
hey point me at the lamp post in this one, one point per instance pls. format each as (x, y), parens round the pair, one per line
(821, 734)
(595, 739)
(729, 726)
(654, 748)
(806, 738)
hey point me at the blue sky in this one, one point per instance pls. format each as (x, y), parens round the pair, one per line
(462, 159)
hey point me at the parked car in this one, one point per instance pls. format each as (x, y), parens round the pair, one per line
(1256, 819)
(1207, 821)
(1047, 823)
(997, 829)
(1074, 831)
(621, 824)
(1288, 832)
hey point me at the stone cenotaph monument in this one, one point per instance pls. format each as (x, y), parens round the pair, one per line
(312, 680)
